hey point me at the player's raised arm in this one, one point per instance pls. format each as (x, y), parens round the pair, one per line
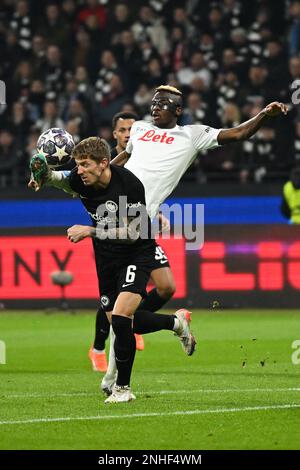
(121, 159)
(245, 130)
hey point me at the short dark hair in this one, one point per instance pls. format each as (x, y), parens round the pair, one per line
(94, 148)
(123, 115)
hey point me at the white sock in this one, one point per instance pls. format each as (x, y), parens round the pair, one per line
(112, 367)
(176, 324)
(98, 351)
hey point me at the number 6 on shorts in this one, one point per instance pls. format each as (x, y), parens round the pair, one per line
(130, 274)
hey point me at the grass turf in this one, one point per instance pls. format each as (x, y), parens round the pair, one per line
(236, 392)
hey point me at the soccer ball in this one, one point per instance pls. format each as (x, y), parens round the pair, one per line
(56, 145)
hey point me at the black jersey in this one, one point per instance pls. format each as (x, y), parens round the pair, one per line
(114, 153)
(122, 183)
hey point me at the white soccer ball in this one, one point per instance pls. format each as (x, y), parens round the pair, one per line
(56, 145)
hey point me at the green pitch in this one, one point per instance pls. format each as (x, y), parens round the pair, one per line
(240, 390)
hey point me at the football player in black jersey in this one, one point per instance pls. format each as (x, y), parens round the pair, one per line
(161, 274)
(121, 235)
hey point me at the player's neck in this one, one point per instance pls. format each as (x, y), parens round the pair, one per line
(104, 179)
(120, 149)
(169, 125)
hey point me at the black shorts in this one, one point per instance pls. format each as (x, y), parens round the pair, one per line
(127, 274)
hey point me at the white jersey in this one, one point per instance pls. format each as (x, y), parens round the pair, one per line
(159, 157)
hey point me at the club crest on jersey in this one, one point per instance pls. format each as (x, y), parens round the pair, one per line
(151, 136)
(111, 206)
(104, 300)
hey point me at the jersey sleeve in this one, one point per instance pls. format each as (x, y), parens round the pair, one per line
(204, 137)
(129, 145)
(60, 180)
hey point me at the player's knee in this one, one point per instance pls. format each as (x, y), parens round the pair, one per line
(119, 324)
(166, 291)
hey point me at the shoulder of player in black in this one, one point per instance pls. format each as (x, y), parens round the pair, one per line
(127, 176)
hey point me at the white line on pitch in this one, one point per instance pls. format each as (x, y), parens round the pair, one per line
(150, 415)
(145, 392)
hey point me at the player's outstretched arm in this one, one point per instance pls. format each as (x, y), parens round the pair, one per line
(42, 175)
(121, 159)
(245, 130)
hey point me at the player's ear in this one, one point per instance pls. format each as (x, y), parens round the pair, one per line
(178, 111)
(115, 135)
(104, 163)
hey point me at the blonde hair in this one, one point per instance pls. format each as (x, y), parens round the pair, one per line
(169, 89)
(94, 148)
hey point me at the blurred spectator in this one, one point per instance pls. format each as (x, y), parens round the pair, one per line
(113, 99)
(55, 27)
(105, 131)
(50, 117)
(216, 25)
(9, 156)
(92, 10)
(256, 91)
(109, 67)
(120, 21)
(155, 74)
(11, 54)
(294, 28)
(297, 143)
(180, 18)
(77, 113)
(227, 90)
(142, 99)
(196, 69)
(276, 64)
(36, 99)
(69, 8)
(129, 59)
(178, 48)
(21, 80)
(149, 25)
(20, 123)
(196, 111)
(38, 53)
(241, 48)
(73, 127)
(21, 24)
(207, 48)
(53, 72)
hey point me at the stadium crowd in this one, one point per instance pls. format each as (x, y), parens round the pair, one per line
(75, 63)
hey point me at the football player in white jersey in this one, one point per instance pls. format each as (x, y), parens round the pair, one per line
(159, 152)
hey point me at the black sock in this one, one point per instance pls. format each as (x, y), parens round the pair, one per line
(148, 322)
(152, 302)
(124, 348)
(102, 330)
